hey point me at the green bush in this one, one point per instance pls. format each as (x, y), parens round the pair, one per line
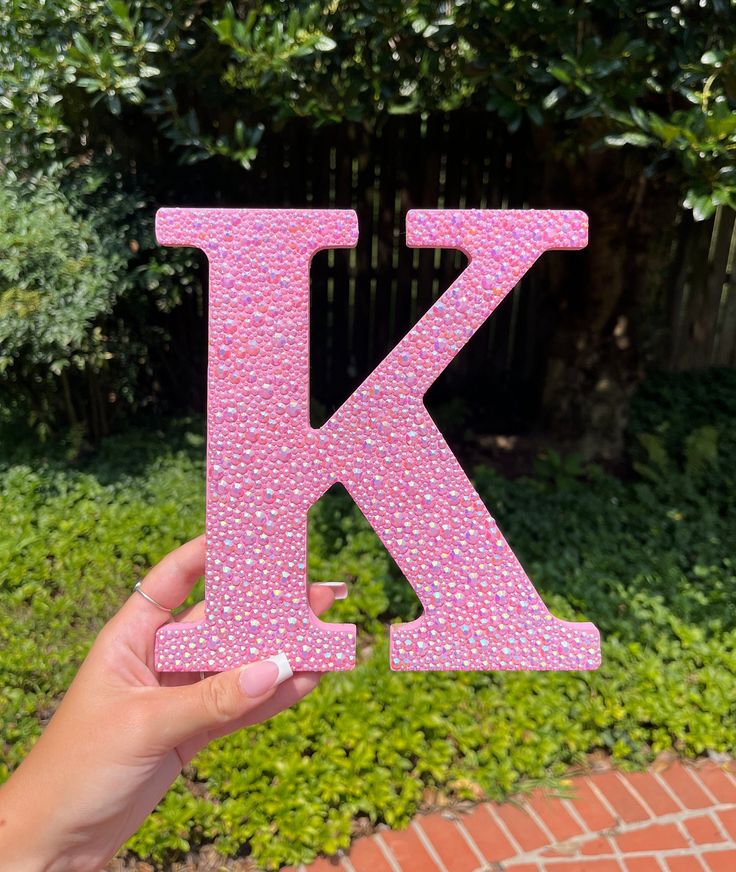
(81, 280)
(205, 80)
(672, 407)
(649, 560)
(60, 272)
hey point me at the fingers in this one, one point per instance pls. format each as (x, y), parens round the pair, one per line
(168, 583)
(211, 704)
(323, 594)
(286, 695)
(339, 588)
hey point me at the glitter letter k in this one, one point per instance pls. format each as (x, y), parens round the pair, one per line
(266, 465)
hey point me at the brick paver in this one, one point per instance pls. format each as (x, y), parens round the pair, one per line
(680, 820)
(656, 837)
(642, 864)
(487, 834)
(620, 797)
(407, 851)
(653, 793)
(448, 842)
(366, 856)
(686, 786)
(703, 830)
(555, 817)
(723, 861)
(595, 815)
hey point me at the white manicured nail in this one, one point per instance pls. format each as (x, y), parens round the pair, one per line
(259, 678)
(284, 667)
(340, 588)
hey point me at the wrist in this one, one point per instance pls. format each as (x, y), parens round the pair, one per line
(18, 851)
(21, 851)
(27, 841)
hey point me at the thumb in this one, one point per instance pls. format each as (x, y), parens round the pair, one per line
(221, 698)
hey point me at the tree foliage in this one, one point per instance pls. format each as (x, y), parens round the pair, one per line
(209, 76)
(123, 90)
(47, 245)
(61, 272)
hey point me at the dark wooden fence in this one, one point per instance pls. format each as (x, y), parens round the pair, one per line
(704, 294)
(365, 299)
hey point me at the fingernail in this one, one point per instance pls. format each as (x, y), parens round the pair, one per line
(259, 678)
(340, 588)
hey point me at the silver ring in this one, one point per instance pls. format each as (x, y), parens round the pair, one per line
(139, 589)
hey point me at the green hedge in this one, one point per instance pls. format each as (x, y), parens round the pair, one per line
(649, 560)
(83, 287)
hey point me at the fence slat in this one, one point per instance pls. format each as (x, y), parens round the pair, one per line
(706, 262)
(364, 207)
(385, 236)
(364, 301)
(321, 360)
(340, 382)
(409, 180)
(428, 198)
(724, 353)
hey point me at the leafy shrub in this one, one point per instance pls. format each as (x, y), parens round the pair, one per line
(682, 430)
(206, 80)
(674, 405)
(56, 277)
(80, 278)
(650, 561)
(59, 273)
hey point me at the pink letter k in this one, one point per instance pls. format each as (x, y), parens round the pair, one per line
(266, 465)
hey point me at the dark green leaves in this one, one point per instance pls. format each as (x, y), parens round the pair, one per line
(74, 77)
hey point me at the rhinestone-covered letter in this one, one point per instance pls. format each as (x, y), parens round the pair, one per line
(266, 465)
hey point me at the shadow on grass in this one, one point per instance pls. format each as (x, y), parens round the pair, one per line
(129, 453)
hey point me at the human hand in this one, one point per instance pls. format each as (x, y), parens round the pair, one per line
(123, 731)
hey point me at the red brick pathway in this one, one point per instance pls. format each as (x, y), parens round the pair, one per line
(682, 819)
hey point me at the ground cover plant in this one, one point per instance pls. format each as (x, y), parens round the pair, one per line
(648, 558)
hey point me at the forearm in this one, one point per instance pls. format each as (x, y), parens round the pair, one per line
(117, 740)
(36, 813)
(26, 835)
